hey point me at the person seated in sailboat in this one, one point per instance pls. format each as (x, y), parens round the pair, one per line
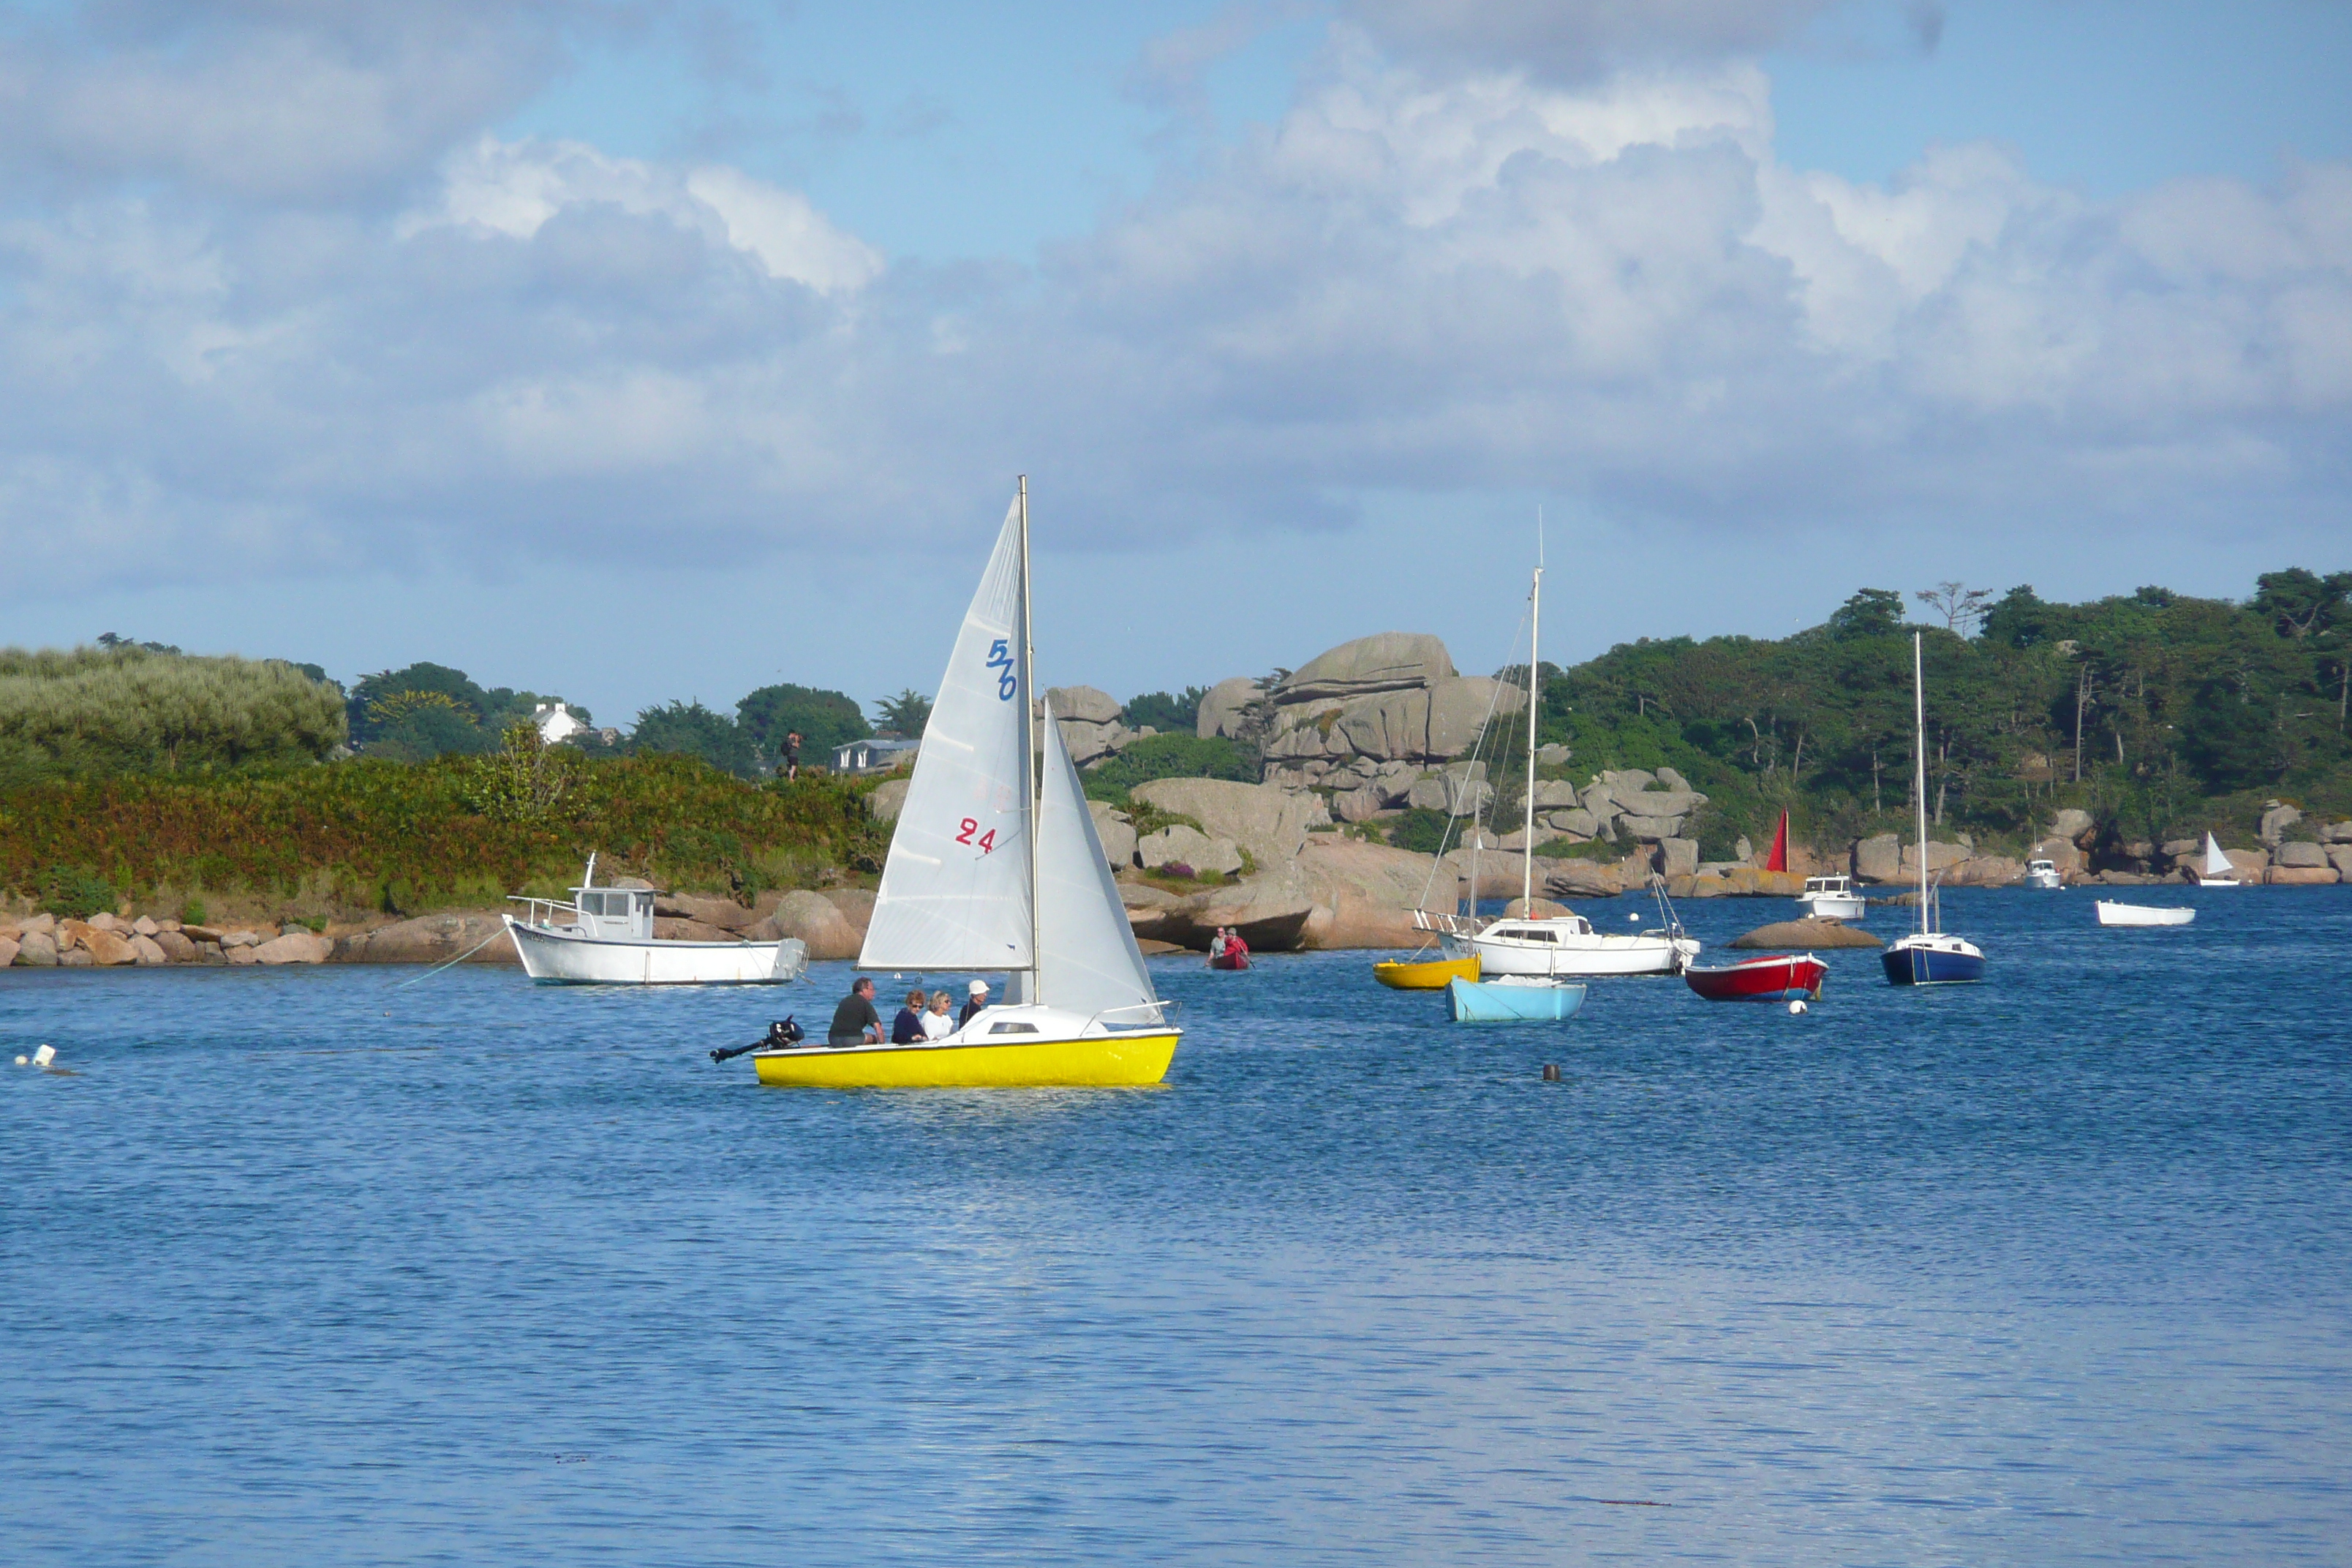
(971, 1009)
(907, 1028)
(937, 1025)
(856, 1022)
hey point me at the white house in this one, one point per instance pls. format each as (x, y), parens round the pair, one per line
(873, 753)
(556, 723)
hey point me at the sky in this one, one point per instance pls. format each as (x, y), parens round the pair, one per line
(640, 350)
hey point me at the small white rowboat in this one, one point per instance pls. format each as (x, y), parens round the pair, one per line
(2114, 915)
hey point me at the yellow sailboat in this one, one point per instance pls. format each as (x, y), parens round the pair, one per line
(992, 870)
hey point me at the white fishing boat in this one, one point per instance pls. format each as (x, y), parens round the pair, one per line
(2218, 869)
(1566, 947)
(604, 936)
(2113, 913)
(2042, 877)
(1833, 897)
(992, 870)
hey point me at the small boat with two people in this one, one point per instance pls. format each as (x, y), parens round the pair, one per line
(1930, 955)
(2113, 912)
(2218, 870)
(1768, 977)
(604, 936)
(1228, 951)
(994, 869)
(2042, 877)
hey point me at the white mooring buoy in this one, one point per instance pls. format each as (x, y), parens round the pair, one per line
(1797, 1006)
(20, 1061)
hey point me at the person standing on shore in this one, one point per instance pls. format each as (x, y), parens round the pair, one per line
(792, 754)
(856, 1022)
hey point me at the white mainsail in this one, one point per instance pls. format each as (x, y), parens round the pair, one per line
(2216, 863)
(1087, 957)
(956, 889)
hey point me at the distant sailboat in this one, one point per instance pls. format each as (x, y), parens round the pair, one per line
(1928, 956)
(990, 870)
(2219, 870)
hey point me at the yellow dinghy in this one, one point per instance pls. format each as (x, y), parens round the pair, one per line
(1426, 973)
(994, 869)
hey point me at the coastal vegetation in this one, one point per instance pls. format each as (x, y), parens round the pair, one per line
(2159, 714)
(127, 709)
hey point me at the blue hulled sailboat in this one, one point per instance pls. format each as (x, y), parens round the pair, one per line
(1930, 955)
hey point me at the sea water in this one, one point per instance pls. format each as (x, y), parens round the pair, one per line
(312, 1266)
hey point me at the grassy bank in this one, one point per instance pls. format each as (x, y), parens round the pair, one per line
(375, 836)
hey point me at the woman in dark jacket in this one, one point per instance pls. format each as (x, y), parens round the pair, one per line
(907, 1028)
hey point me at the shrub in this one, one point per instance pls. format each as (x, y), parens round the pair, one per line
(1427, 831)
(125, 710)
(71, 892)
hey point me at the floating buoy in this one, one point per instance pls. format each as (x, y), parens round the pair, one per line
(1635, 917)
(20, 1061)
(45, 1055)
(1796, 1008)
(1551, 1072)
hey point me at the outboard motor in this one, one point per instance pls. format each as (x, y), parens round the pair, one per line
(784, 1032)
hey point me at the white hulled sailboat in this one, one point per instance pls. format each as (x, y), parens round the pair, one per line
(1930, 955)
(990, 872)
(2219, 870)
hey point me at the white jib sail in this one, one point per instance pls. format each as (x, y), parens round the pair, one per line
(1087, 958)
(2216, 863)
(955, 889)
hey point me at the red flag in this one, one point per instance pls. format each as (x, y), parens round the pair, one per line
(1779, 860)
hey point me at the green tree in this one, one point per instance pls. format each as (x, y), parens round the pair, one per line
(1872, 613)
(1166, 713)
(824, 720)
(909, 713)
(690, 730)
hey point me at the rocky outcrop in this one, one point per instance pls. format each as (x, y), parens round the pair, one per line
(1335, 893)
(1677, 857)
(36, 950)
(2276, 819)
(1385, 662)
(725, 914)
(428, 939)
(888, 799)
(1269, 824)
(1806, 934)
(816, 921)
(9, 947)
(2301, 857)
(1220, 712)
(1116, 831)
(1189, 847)
(1879, 859)
(297, 947)
(2073, 825)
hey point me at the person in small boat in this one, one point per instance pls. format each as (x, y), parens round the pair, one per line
(907, 1028)
(1217, 945)
(856, 1022)
(972, 1009)
(1236, 949)
(937, 1025)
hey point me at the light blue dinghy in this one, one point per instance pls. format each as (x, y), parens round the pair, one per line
(1512, 1000)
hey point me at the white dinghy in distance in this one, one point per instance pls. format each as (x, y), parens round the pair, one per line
(604, 936)
(2112, 913)
(2219, 870)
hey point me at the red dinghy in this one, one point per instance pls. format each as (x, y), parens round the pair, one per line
(1775, 977)
(1230, 961)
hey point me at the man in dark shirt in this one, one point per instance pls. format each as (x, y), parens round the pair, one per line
(791, 753)
(972, 1009)
(856, 1022)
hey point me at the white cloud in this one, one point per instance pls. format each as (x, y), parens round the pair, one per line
(1426, 284)
(514, 188)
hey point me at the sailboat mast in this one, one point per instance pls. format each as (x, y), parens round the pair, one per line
(1535, 641)
(1919, 745)
(1029, 747)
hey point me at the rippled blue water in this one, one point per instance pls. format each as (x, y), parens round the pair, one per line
(301, 1267)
